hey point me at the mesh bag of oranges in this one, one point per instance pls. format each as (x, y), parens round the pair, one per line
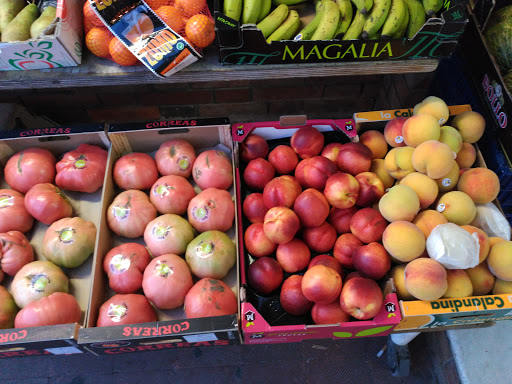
(191, 19)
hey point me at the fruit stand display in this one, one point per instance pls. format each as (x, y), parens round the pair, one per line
(50, 211)
(168, 235)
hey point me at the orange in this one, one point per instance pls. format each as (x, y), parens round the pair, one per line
(172, 17)
(200, 30)
(120, 54)
(155, 4)
(90, 16)
(97, 40)
(190, 7)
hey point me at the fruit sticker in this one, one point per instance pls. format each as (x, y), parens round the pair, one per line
(399, 139)
(117, 311)
(441, 207)
(119, 264)
(6, 201)
(39, 282)
(446, 182)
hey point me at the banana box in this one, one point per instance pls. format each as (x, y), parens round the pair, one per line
(449, 313)
(60, 44)
(304, 31)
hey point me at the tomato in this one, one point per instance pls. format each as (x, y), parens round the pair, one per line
(15, 252)
(166, 281)
(83, 169)
(135, 171)
(69, 242)
(126, 309)
(209, 297)
(124, 266)
(171, 194)
(36, 280)
(213, 169)
(8, 309)
(212, 209)
(47, 204)
(58, 308)
(168, 234)
(13, 214)
(30, 167)
(130, 213)
(175, 157)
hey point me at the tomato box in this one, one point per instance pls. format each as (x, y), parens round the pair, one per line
(245, 44)
(172, 329)
(263, 319)
(419, 315)
(55, 339)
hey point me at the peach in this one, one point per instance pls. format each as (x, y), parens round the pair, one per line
(424, 186)
(459, 284)
(371, 189)
(331, 151)
(321, 284)
(291, 297)
(354, 158)
(451, 137)
(372, 261)
(320, 239)
(426, 279)
(434, 106)
(281, 224)
(502, 287)
(397, 273)
(328, 261)
(471, 126)
(398, 162)
(450, 180)
(329, 313)
(495, 240)
(341, 190)
(433, 158)
(427, 220)
(500, 260)
(252, 147)
(481, 278)
(280, 192)
(361, 298)
(457, 207)
(466, 156)
(284, 159)
(368, 225)
(404, 241)
(258, 173)
(265, 275)
(400, 203)
(312, 208)
(257, 243)
(420, 128)
(481, 184)
(293, 256)
(345, 247)
(254, 208)
(379, 169)
(340, 218)
(299, 173)
(483, 240)
(376, 142)
(393, 132)
(317, 170)
(307, 142)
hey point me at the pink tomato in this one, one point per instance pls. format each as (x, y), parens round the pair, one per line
(30, 167)
(13, 214)
(175, 157)
(168, 234)
(125, 309)
(171, 194)
(15, 252)
(213, 169)
(8, 309)
(212, 209)
(135, 171)
(58, 308)
(210, 297)
(47, 203)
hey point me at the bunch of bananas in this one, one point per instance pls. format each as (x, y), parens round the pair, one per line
(346, 19)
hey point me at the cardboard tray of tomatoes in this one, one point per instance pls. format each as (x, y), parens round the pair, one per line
(172, 328)
(264, 319)
(50, 339)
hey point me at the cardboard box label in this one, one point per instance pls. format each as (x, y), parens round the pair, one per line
(372, 116)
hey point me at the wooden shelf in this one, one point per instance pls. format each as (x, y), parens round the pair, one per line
(102, 72)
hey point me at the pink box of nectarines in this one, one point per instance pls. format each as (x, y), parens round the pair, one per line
(290, 279)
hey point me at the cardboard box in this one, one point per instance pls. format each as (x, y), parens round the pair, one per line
(57, 339)
(245, 44)
(263, 319)
(61, 46)
(173, 329)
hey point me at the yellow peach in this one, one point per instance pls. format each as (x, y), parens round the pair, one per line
(500, 260)
(481, 184)
(424, 186)
(427, 220)
(433, 158)
(403, 240)
(451, 137)
(450, 180)
(397, 273)
(434, 106)
(379, 169)
(459, 284)
(483, 240)
(376, 142)
(400, 203)
(501, 287)
(471, 126)
(420, 128)
(457, 207)
(481, 278)
(466, 156)
(398, 162)
(426, 279)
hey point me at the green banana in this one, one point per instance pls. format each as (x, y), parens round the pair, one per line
(329, 22)
(363, 5)
(416, 17)
(233, 9)
(394, 20)
(346, 14)
(309, 30)
(270, 23)
(432, 6)
(287, 29)
(400, 32)
(251, 11)
(376, 17)
(376, 36)
(287, 2)
(356, 27)
(265, 7)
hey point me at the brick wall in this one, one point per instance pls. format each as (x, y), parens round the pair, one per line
(333, 97)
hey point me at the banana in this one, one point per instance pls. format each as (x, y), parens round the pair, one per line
(394, 20)
(287, 29)
(356, 27)
(432, 6)
(375, 36)
(416, 17)
(287, 2)
(400, 32)
(376, 17)
(363, 5)
(270, 23)
(329, 22)
(346, 14)
(233, 9)
(308, 30)
(251, 11)
(265, 7)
